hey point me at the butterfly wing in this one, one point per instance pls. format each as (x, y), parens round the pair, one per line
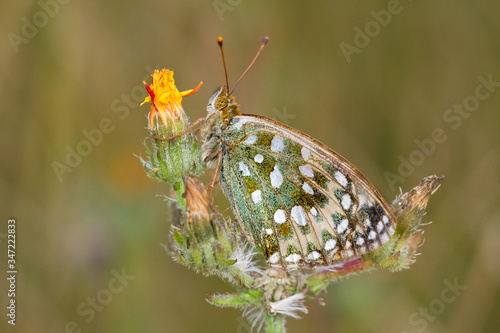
(301, 202)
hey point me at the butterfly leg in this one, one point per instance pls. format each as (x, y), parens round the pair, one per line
(181, 133)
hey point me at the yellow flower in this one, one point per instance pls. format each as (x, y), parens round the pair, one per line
(165, 100)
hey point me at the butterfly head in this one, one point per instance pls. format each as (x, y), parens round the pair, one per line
(223, 102)
(221, 109)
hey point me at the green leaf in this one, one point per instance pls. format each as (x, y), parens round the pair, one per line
(250, 297)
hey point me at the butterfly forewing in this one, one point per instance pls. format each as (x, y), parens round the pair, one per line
(301, 202)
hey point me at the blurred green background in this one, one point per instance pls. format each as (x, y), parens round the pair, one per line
(67, 66)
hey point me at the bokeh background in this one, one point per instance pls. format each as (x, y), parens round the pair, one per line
(83, 62)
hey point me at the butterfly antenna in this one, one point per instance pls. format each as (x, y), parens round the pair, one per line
(264, 42)
(219, 41)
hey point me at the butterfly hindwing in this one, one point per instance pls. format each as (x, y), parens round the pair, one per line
(302, 203)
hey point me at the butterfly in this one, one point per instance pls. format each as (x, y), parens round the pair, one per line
(301, 202)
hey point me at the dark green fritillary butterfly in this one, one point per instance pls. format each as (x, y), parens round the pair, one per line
(297, 199)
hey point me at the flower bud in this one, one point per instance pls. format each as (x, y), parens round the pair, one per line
(409, 208)
(202, 241)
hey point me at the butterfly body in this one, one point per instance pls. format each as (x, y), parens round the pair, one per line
(301, 202)
(220, 110)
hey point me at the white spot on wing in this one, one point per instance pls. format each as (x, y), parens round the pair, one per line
(251, 139)
(293, 257)
(277, 144)
(257, 196)
(342, 226)
(314, 212)
(330, 244)
(244, 169)
(240, 122)
(372, 235)
(380, 226)
(275, 258)
(305, 153)
(361, 200)
(299, 215)
(307, 188)
(258, 158)
(341, 179)
(384, 237)
(360, 241)
(280, 216)
(313, 255)
(276, 177)
(306, 171)
(346, 201)
(388, 224)
(269, 231)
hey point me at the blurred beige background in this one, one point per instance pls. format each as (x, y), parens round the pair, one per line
(398, 88)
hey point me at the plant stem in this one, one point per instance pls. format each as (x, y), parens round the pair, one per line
(179, 191)
(275, 324)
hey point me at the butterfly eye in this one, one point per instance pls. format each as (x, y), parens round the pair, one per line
(221, 103)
